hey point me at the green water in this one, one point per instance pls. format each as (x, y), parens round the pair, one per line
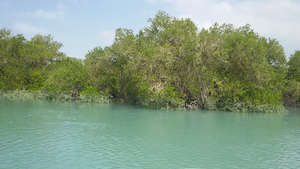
(44, 134)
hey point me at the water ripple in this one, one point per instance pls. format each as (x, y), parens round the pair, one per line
(57, 135)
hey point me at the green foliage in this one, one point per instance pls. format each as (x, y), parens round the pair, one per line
(292, 90)
(253, 71)
(44, 95)
(172, 64)
(67, 75)
(167, 98)
(17, 95)
(168, 65)
(210, 104)
(292, 93)
(294, 66)
(23, 63)
(248, 107)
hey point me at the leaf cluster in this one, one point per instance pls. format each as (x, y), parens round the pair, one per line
(170, 64)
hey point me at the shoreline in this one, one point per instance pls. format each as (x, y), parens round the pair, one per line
(238, 107)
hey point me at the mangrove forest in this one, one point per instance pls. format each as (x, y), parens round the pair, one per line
(168, 65)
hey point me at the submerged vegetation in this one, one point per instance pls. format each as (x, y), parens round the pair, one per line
(169, 65)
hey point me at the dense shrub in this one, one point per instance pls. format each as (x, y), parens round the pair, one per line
(168, 65)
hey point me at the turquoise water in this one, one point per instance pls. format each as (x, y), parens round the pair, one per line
(44, 134)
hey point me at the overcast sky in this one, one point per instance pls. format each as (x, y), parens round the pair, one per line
(82, 25)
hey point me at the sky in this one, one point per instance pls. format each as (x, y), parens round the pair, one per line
(82, 25)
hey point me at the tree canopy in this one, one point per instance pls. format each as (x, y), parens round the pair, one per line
(170, 64)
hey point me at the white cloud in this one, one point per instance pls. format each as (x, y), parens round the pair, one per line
(25, 28)
(81, 2)
(107, 36)
(277, 19)
(44, 14)
(151, 1)
(61, 6)
(59, 14)
(4, 4)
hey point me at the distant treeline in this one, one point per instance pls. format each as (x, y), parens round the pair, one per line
(169, 65)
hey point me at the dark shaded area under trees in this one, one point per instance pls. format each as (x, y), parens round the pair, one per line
(169, 65)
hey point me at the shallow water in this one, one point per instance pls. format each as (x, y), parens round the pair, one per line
(45, 134)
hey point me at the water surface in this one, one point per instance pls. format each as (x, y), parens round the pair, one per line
(45, 134)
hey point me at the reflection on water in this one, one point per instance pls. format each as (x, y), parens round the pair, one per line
(44, 134)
